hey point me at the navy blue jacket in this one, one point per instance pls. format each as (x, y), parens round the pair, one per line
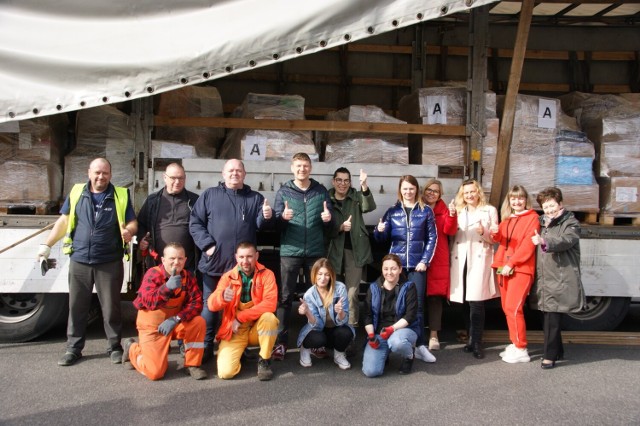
(413, 239)
(97, 237)
(224, 217)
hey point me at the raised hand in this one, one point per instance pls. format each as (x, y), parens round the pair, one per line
(363, 180)
(144, 242)
(480, 229)
(536, 239)
(303, 308)
(228, 294)
(326, 214)
(287, 213)
(267, 211)
(174, 280)
(346, 225)
(452, 208)
(338, 308)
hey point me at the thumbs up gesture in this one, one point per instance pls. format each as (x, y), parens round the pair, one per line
(363, 180)
(228, 294)
(536, 239)
(452, 208)
(174, 280)
(480, 229)
(346, 225)
(267, 211)
(287, 213)
(381, 226)
(144, 242)
(326, 214)
(303, 308)
(337, 308)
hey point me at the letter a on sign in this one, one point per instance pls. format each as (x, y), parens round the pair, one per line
(547, 113)
(255, 148)
(436, 110)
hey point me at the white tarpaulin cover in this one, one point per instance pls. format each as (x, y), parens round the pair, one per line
(64, 55)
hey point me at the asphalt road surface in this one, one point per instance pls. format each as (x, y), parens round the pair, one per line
(595, 385)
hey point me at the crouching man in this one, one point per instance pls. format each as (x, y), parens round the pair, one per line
(248, 297)
(169, 303)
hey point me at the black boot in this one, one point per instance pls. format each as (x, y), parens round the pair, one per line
(406, 366)
(468, 348)
(478, 352)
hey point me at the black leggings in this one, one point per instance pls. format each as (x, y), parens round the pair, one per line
(337, 338)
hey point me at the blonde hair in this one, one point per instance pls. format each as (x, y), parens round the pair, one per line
(428, 183)
(517, 191)
(459, 200)
(323, 262)
(413, 181)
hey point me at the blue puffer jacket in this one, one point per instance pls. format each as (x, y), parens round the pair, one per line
(414, 238)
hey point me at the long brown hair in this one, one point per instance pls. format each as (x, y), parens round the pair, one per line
(323, 262)
(413, 181)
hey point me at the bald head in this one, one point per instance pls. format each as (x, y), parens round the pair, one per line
(99, 174)
(234, 174)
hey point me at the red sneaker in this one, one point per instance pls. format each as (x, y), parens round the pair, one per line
(279, 350)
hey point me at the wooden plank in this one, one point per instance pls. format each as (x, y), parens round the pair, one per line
(577, 337)
(561, 55)
(508, 116)
(309, 125)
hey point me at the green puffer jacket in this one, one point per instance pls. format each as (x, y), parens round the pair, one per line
(355, 204)
(302, 236)
(558, 287)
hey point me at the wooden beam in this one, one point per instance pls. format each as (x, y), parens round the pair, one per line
(310, 125)
(508, 115)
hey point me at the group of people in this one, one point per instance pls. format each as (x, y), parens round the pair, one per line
(203, 282)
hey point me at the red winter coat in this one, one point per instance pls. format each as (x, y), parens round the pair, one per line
(438, 274)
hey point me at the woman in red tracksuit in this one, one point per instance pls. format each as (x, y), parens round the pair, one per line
(515, 264)
(438, 275)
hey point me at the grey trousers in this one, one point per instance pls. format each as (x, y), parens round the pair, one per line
(107, 278)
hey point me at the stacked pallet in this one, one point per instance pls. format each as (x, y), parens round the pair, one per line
(263, 145)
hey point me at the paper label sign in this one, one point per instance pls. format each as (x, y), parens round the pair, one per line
(625, 194)
(547, 113)
(436, 110)
(255, 148)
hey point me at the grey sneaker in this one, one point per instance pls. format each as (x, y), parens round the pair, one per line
(265, 372)
(196, 372)
(116, 356)
(126, 345)
(69, 358)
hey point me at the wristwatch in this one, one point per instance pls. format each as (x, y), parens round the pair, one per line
(178, 319)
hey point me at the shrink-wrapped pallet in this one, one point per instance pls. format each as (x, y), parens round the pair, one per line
(619, 194)
(352, 147)
(37, 139)
(247, 144)
(620, 143)
(30, 182)
(168, 149)
(102, 132)
(192, 101)
(489, 152)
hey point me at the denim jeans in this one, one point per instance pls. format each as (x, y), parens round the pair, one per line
(209, 284)
(402, 341)
(420, 280)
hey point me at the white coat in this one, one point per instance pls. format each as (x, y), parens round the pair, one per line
(477, 252)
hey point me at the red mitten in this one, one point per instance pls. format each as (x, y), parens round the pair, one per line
(387, 332)
(373, 341)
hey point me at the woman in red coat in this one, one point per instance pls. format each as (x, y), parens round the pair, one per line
(515, 264)
(438, 277)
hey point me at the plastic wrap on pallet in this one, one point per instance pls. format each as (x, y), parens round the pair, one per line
(30, 182)
(619, 194)
(95, 125)
(276, 144)
(582, 198)
(574, 159)
(620, 143)
(192, 101)
(356, 147)
(168, 149)
(37, 139)
(489, 152)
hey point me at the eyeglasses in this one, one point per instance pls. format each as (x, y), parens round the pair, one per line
(175, 178)
(342, 181)
(432, 191)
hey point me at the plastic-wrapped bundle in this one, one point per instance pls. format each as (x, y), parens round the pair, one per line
(192, 101)
(574, 159)
(583, 198)
(619, 195)
(620, 143)
(30, 183)
(277, 144)
(37, 139)
(351, 147)
(489, 152)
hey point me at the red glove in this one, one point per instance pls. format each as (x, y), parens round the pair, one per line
(387, 332)
(373, 341)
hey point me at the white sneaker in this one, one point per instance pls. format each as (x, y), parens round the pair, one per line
(305, 357)
(517, 355)
(423, 354)
(507, 350)
(340, 358)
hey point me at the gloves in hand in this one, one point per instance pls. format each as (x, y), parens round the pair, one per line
(167, 326)
(44, 251)
(387, 332)
(174, 281)
(374, 342)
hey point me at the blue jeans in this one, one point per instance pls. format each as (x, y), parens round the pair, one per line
(401, 341)
(420, 280)
(209, 284)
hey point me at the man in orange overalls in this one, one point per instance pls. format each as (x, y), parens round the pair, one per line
(169, 304)
(248, 297)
